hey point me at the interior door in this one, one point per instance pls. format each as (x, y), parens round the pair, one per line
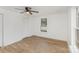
(0, 30)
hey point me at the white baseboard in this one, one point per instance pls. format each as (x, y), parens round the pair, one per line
(13, 41)
(25, 36)
(49, 37)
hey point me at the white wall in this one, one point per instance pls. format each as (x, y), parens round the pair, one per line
(14, 26)
(57, 26)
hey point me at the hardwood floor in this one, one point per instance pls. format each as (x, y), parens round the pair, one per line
(36, 44)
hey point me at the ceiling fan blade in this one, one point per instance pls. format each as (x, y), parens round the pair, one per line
(35, 11)
(19, 9)
(22, 12)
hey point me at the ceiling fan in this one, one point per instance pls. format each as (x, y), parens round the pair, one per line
(28, 10)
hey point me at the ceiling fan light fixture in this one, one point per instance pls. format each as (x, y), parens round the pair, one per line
(27, 12)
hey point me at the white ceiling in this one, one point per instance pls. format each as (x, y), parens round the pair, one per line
(41, 9)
